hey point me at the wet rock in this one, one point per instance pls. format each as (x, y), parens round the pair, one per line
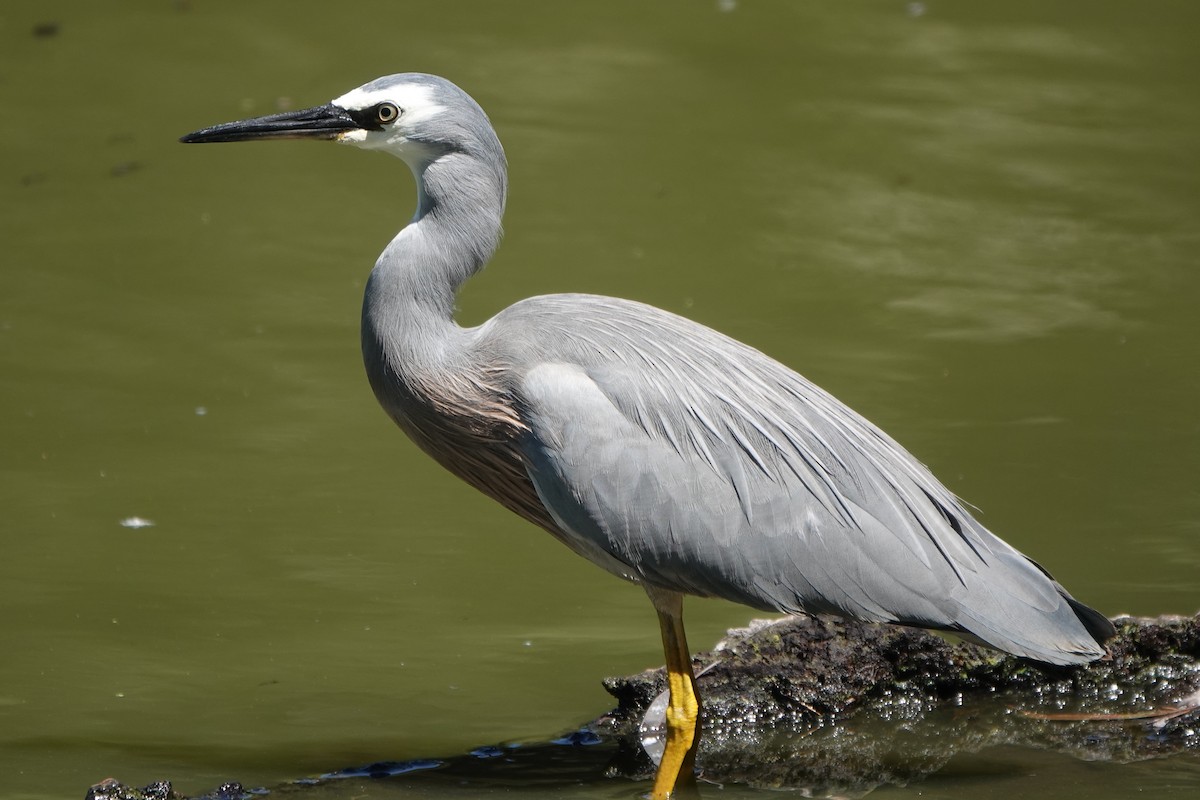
(111, 789)
(837, 706)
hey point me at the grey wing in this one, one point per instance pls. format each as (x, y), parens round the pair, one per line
(685, 460)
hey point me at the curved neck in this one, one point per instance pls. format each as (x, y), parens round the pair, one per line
(408, 309)
(456, 227)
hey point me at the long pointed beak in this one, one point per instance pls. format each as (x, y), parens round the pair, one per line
(323, 122)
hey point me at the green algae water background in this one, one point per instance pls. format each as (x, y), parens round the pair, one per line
(976, 223)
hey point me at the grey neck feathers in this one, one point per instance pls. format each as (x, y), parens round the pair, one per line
(408, 310)
(459, 208)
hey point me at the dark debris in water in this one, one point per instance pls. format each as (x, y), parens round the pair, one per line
(584, 737)
(488, 751)
(123, 168)
(837, 707)
(111, 789)
(385, 769)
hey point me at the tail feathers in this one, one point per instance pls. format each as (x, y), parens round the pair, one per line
(1095, 623)
(1073, 634)
(1021, 609)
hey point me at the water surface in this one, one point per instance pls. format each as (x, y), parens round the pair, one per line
(977, 224)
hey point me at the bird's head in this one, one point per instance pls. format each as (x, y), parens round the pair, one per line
(414, 116)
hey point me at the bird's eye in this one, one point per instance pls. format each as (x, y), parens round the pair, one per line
(387, 113)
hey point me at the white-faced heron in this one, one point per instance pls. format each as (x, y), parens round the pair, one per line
(665, 452)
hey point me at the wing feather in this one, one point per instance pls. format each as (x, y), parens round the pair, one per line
(675, 456)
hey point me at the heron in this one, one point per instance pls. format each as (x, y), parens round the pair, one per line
(669, 454)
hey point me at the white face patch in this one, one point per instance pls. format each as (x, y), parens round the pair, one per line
(416, 105)
(414, 101)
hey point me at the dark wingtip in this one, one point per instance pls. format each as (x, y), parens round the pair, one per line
(1098, 625)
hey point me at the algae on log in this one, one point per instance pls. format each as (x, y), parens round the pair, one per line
(832, 705)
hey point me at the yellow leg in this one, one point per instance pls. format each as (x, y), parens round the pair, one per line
(683, 706)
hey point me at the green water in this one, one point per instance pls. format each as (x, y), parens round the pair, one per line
(977, 223)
